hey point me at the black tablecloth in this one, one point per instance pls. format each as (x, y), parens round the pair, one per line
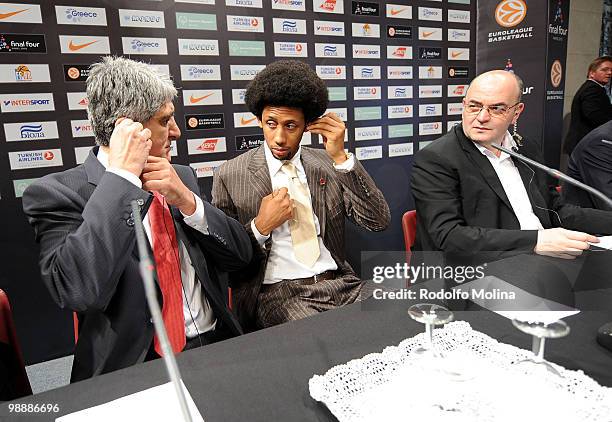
(263, 376)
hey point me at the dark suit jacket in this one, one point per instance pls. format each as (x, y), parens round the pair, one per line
(240, 184)
(88, 260)
(591, 163)
(590, 108)
(462, 208)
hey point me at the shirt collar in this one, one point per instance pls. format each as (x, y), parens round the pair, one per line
(274, 164)
(507, 142)
(102, 157)
(603, 86)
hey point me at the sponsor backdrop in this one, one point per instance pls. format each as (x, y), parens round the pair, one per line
(396, 73)
(529, 37)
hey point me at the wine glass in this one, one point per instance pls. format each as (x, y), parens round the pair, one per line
(431, 315)
(540, 331)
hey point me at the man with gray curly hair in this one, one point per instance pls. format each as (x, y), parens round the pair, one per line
(82, 219)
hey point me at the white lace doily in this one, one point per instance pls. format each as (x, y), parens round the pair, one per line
(397, 385)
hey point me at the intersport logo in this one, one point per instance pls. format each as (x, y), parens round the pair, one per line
(11, 103)
(298, 5)
(331, 28)
(510, 13)
(81, 128)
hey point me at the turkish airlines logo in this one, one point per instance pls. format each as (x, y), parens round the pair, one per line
(556, 73)
(48, 155)
(509, 13)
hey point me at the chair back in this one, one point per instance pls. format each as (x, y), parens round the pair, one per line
(14, 382)
(409, 223)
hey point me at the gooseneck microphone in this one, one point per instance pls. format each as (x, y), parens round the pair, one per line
(146, 272)
(556, 174)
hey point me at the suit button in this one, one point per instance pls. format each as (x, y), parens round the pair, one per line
(150, 320)
(130, 222)
(140, 202)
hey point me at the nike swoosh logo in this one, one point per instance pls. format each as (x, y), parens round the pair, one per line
(75, 47)
(8, 15)
(396, 11)
(456, 54)
(194, 100)
(244, 121)
(427, 34)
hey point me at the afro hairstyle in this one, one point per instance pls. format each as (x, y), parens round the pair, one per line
(288, 83)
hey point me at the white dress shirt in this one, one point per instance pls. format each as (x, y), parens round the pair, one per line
(512, 183)
(194, 303)
(282, 264)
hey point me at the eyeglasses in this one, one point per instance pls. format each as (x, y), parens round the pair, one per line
(493, 110)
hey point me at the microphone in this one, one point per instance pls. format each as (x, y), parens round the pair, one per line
(146, 272)
(604, 334)
(556, 174)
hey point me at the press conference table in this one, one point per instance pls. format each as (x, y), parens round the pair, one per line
(263, 376)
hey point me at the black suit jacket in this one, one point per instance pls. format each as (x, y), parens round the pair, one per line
(590, 108)
(591, 163)
(88, 260)
(462, 208)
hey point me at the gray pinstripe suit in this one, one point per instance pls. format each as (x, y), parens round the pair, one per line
(240, 184)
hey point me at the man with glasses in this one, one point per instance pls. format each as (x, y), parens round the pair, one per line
(472, 199)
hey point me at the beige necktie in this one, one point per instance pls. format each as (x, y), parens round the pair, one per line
(302, 227)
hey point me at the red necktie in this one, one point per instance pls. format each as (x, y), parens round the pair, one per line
(165, 251)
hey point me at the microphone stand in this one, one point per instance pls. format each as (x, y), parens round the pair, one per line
(146, 272)
(556, 174)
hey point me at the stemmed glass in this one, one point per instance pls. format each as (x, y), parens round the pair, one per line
(431, 357)
(431, 315)
(540, 332)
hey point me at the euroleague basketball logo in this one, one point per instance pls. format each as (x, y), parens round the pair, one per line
(556, 73)
(509, 13)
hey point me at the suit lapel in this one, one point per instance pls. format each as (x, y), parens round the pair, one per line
(483, 165)
(261, 185)
(316, 183)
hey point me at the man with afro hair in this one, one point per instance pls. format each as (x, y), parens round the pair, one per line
(293, 201)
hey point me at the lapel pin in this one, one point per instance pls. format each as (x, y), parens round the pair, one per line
(322, 181)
